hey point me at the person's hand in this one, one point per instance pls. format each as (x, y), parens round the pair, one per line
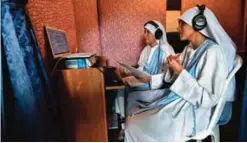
(123, 72)
(145, 79)
(174, 63)
(175, 57)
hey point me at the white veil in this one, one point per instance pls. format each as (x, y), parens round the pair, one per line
(216, 32)
(163, 40)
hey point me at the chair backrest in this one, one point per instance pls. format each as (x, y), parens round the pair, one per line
(221, 104)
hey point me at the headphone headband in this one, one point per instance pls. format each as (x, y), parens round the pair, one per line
(199, 22)
(201, 7)
(158, 33)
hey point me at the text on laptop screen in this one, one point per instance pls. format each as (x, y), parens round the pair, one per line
(58, 41)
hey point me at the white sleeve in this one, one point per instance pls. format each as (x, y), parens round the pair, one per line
(170, 76)
(169, 50)
(205, 89)
(141, 61)
(157, 80)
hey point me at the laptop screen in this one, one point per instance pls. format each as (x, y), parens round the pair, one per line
(58, 41)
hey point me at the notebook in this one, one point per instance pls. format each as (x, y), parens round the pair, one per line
(132, 81)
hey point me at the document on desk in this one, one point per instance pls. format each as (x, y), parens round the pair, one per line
(135, 72)
(132, 81)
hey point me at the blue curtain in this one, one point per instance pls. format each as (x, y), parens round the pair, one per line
(243, 126)
(28, 111)
(1, 98)
(243, 123)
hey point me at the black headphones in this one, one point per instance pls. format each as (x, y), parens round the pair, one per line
(199, 22)
(158, 33)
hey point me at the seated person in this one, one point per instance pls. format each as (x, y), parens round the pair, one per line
(152, 60)
(153, 56)
(198, 75)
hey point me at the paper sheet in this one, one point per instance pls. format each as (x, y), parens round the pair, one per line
(135, 72)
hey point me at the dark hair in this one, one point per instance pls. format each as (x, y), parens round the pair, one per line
(181, 21)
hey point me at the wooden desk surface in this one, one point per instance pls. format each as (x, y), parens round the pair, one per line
(83, 105)
(115, 87)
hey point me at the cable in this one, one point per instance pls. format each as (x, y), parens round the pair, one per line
(55, 66)
(100, 70)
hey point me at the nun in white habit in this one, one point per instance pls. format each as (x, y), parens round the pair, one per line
(157, 49)
(198, 75)
(152, 60)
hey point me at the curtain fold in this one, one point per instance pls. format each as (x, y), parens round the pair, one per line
(28, 100)
(243, 118)
(243, 123)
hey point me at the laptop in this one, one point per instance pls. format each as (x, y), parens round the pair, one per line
(59, 45)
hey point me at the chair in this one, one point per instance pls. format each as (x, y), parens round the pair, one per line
(213, 128)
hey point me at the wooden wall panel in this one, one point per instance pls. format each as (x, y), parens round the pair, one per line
(114, 28)
(55, 13)
(121, 26)
(87, 26)
(229, 13)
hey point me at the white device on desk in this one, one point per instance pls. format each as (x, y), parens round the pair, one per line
(60, 50)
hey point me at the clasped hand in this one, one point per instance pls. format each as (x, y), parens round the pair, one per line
(174, 63)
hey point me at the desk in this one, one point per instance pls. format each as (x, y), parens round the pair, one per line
(82, 104)
(111, 75)
(115, 87)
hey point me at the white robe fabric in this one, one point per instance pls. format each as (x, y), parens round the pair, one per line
(145, 58)
(156, 80)
(174, 121)
(215, 31)
(147, 53)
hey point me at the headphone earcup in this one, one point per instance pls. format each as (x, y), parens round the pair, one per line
(158, 34)
(199, 22)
